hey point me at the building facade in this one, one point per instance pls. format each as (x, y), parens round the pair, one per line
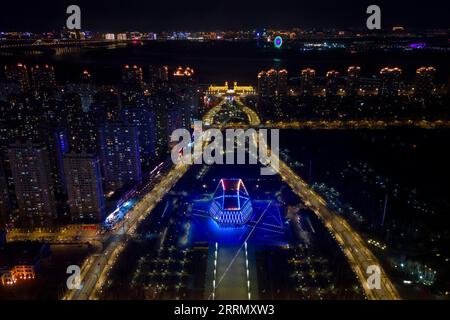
(84, 187)
(119, 144)
(32, 182)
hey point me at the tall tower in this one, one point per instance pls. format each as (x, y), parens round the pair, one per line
(390, 81)
(18, 74)
(144, 120)
(5, 205)
(86, 77)
(119, 144)
(282, 82)
(84, 187)
(164, 73)
(59, 145)
(353, 74)
(424, 84)
(272, 82)
(307, 79)
(43, 77)
(32, 182)
(331, 79)
(158, 76)
(262, 83)
(132, 75)
(86, 90)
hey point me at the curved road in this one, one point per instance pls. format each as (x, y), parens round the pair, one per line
(355, 249)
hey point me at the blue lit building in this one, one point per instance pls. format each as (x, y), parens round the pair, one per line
(231, 204)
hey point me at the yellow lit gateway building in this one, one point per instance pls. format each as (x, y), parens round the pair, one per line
(227, 89)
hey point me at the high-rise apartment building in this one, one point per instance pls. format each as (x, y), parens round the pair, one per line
(390, 81)
(353, 77)
(18, 73)
(307, 81)
(144, 120)
(331, 83)
(43, 77)
(119, 144)
(30, 170)
(424, 82)
(84, 187)
(132, 75)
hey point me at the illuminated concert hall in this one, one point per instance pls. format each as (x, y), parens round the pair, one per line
(231, 204)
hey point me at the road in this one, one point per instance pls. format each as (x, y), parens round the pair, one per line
(95, 268)
(359, 256)
(353, 246)
(60, 237)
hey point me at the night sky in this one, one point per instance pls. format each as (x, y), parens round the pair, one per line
(151, 15)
